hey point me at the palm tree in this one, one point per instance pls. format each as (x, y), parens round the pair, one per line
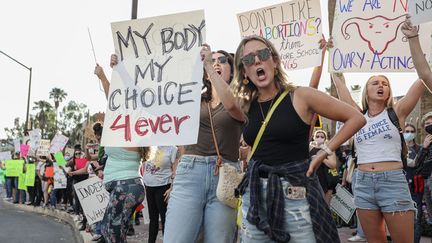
(44, 109)
(58, 95)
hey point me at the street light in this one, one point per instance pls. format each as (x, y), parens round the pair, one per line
(29, 89)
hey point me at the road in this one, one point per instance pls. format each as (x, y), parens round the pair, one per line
(17, 226)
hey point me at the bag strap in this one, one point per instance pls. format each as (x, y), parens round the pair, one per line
(395, 120)
(219, 157)
(266, 121)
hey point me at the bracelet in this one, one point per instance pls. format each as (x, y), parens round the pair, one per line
(327, 150)
(414, 36)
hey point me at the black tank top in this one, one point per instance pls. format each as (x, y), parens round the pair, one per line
(285, 138)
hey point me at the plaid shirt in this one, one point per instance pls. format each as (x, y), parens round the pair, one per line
(273, 222)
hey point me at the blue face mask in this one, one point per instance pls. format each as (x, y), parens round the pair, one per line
(408, 136)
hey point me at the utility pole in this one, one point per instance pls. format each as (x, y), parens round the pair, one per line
(134, 9)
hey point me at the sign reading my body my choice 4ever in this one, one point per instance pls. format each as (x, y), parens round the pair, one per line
(367, 37)
(293, 27)
(155, 90)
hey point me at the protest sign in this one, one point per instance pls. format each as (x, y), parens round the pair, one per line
(5, 156)
(58, 143)
(14, 167)
(60, 180)
(43, 149)
(17, 143)
(34, 142)
(2, 177)
(30, 174)
(420, 11)
(294, 28)
(367, 37)
(80, 163)
(60, 159)
(155, 89)
(342, 203)
(24, 149)
(93, 198)
(22, 182)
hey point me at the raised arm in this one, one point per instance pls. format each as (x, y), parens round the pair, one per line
(316, 74)
(405, 105)
(420, 63)
(342, 90)
(222, 88)
(101, 74)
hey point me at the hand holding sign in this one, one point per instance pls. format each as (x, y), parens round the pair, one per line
(408, 29)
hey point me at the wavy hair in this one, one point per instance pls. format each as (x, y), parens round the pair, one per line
(365, 94)
(247, 93)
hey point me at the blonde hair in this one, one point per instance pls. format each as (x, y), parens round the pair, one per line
(247, 93)
(365, 94)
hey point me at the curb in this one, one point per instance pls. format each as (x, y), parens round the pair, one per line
(80, 236)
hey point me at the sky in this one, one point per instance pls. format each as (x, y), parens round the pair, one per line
(52, 38)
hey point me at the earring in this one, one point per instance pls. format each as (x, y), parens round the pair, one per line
(245, 81)
(276, 71)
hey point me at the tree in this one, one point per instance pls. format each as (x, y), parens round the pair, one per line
(44, 118)
(58, 95)
(71, 121)
(16, 131)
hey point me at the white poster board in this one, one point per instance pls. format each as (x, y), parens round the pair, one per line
(420, 11)
(34, 142)
(5, 156)
(93, 198)
(160, 70)
(43, 149)
(367, 37)
(342, 203)
(17, 143)
(294, 28)
(60, 180)
(58, 143)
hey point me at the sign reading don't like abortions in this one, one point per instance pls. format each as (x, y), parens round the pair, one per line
(293, 27)
(154, 96)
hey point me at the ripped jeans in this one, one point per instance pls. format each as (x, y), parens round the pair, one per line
(386, 191)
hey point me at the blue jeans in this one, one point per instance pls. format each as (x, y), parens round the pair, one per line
(98, 228)
(12, 182)
(193, 203)
(53, 197)
(297, 218)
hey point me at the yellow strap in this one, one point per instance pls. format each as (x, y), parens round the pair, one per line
(267, 119)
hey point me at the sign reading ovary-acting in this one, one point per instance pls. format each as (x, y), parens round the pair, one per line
(420, 10)
(93, 198)
(367, 37)
(293, 27)
(154, 96)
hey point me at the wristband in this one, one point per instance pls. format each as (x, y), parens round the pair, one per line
(327, 150)
(414, 36)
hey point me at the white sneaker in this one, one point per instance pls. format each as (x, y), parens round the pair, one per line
(357, 238)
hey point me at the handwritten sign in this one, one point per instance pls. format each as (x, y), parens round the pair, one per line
(5, 156)
(154, 96)
(24, 149)
(43, 149)
(60, 180)
(60, 159)
(367, 37)
(34, 142)
(58, 143)
(14, 167)
(293, 27)
(342, 203)
(93, 198)
(30, 174)
(420, 11)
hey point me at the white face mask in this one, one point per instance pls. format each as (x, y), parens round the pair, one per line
(408, 136)
(319, 141)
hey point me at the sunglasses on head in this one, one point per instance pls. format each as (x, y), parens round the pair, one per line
(220, 60)
(263, 55)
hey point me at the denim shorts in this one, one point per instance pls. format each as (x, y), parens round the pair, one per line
(386, 191)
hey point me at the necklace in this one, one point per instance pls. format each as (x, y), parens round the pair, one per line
(262, 112)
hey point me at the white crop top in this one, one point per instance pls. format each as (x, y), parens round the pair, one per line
(378, 140)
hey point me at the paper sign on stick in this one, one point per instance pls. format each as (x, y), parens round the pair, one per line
(14, 167)
(30, 174)
(342, 203)
(160, 68)
(93, 198)
(293, 27)
(367, 37)
(5, 156)
(420, 11)
(43, 149)
(58, 143)
(60, 159)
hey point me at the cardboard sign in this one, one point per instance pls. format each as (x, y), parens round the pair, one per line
(43, 149)
(367, 37)
(294, 28)
(420, 11)
(342, 203)
(5, 156)
(160, 71)
(60, 180)
(14, 167)
(60, 159)
(93, 198)
(22, 182)
(30, 174)
(58, 143)
(24, 149)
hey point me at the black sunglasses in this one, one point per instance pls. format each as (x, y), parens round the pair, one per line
(263, 55)
(410, 131)
(220, 60)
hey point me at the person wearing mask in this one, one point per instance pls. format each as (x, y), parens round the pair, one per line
(275, 202)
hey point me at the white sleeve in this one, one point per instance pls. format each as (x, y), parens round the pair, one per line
(173, 154)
